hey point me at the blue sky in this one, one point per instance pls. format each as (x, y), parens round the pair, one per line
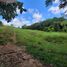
(40, 6)
(36, 11)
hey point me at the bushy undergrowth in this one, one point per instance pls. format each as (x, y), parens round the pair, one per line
(6, 35)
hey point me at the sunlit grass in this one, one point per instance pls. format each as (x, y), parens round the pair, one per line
(48, 47)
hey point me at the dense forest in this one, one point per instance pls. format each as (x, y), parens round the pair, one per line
(54, 24)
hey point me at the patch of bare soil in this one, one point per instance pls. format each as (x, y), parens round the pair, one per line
(13, 56)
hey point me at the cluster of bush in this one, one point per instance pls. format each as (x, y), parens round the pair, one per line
(54, 24)
(6, 35)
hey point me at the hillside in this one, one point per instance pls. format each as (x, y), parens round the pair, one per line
(48, 47)
(12, 55)
(53, 24)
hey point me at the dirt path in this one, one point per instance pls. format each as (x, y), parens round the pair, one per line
(13, 56)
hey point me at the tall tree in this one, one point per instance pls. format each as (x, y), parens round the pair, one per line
(8, 9)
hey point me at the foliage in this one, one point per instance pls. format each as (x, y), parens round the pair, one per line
(8, 11)
(55, 24)
(49, 48)
(6, 35)
(1, 24)
(62, 3)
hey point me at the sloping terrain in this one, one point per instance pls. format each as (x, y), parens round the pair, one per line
(12, 55)
(48, 47)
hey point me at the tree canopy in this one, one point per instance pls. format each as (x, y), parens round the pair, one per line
(54, 25)
(62, 3)
(8, 10)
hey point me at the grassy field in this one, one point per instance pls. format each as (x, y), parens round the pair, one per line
(48, 47)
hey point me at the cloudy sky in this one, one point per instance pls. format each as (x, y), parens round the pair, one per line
(36, 11)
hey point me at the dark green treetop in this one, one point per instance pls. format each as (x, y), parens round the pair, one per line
(9, 10)
(62, 3)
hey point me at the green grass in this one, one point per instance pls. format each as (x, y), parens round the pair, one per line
(48, 47)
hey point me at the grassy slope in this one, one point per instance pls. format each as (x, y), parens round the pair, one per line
(49, 47)
(6, 35)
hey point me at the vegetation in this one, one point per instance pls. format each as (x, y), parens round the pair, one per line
(6, 35)
(62, 3)
(55, 25)
(1, 24)
(9, 10)
(49, 48)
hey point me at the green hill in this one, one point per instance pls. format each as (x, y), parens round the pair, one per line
(48, 47)
(53, 24)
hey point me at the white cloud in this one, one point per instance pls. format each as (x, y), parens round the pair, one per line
(54, 10)
(37, 16)
(30, 10)
(5, 22)
(17, 22)
(56, 1)
(65, 9)
(18, 11)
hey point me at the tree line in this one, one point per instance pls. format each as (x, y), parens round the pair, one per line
(54, 25)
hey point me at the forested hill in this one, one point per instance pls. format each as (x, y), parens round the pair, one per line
(54, 24)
